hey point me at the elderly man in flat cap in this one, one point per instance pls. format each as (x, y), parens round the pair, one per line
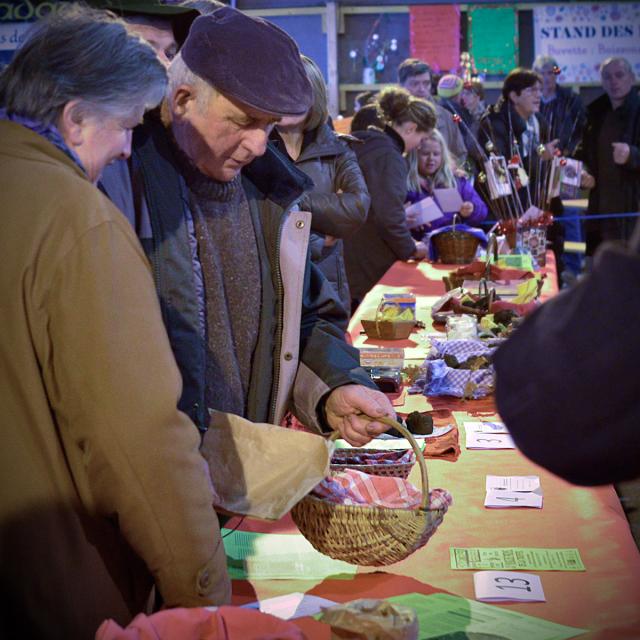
(251, 321)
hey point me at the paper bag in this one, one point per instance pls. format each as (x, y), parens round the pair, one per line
(371, 620)
(262, 470)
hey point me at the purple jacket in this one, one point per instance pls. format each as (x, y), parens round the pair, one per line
(467, 193)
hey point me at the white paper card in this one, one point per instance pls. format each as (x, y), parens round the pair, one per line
(508, 586)
(489, 441)
(512, 483)
(499, 499)
(291, 606)
(448, 200)
(498, 178)
(423, 211)
(485, 427)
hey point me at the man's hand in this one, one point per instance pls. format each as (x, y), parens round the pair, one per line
(587, 181)
(621, 152)
(345, 407)
(466, 209)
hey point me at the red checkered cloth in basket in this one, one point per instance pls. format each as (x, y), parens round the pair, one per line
(351, 487)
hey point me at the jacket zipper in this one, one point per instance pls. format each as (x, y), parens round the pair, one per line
(279, 328)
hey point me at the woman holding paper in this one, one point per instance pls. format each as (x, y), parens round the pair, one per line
(450, 194)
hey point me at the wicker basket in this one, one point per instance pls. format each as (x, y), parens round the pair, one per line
(400, 470)
(379, 329)
(369, 536)
(456, 247)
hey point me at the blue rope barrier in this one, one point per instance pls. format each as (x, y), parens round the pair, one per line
(580, 218)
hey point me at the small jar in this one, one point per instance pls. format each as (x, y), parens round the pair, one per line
(463, 327)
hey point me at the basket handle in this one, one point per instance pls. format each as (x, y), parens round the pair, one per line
(424, 504)
(453, 221)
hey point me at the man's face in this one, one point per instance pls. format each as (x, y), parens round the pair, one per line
(221, 136)
(419, 86)
(160, 38)
(549, 79)
(528, 102)
(469, 99)
(617, 81)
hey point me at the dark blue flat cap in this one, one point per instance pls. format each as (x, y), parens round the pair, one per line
(249, 60)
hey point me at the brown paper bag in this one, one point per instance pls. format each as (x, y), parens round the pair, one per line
(371, 619)
(262, 470)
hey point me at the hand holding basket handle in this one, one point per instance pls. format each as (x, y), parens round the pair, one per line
(356, 412)
(370, 535)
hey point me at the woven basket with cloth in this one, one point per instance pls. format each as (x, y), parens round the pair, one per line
(373, 536)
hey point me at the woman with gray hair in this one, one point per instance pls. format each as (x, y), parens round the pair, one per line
(103, 487)
(82, 82)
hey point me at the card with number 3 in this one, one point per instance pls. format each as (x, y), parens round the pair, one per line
(507, 586)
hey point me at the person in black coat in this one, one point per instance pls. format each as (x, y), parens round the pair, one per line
(610, 149)
(515, 128)
(385, 236)
(339, 200)
(570, 397)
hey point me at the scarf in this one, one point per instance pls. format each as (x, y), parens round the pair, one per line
(48, 131)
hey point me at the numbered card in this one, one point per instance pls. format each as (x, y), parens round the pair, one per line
(500, 499)
(513, 483)
(505, 586)
(489, 441)
(485, 427)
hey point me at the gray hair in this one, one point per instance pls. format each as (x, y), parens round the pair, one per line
(623, 61)
(86, 55)
(544, 61)
(179, 73)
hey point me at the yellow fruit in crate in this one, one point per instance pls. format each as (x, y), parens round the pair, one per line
(390, 313)
(393, 313)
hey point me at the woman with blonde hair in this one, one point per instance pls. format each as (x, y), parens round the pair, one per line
(339, 200)
(434, 171)
(385, 236)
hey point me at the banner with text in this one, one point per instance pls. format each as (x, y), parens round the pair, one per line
(580, 36)
(434, 32)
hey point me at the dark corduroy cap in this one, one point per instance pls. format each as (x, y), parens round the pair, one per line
(250, 60)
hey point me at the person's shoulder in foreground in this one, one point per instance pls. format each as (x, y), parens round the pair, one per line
(567, 382)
